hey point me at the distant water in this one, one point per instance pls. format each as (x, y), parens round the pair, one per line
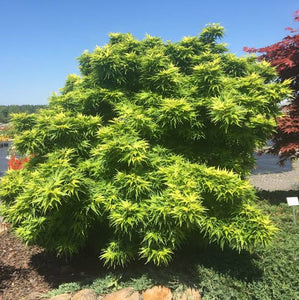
(265, 163)
(3, 160)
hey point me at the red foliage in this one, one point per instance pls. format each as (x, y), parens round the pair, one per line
(15, 163)
(284, 55)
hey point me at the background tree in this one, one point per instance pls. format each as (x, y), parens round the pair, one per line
(7, 110)
(284, 56)
(147, 152)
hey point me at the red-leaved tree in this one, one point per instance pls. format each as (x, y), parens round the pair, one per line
(284, 55)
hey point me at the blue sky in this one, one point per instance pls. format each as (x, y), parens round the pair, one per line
(41, 39)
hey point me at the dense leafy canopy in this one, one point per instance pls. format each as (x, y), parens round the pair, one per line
(146, 150)
(284, 55)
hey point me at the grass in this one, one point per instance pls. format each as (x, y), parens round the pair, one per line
(270, 273)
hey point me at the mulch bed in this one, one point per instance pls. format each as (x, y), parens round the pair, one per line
(27, 272)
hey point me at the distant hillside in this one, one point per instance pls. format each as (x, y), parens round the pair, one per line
(7, 110)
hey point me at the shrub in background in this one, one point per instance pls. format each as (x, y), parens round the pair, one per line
(146, 149)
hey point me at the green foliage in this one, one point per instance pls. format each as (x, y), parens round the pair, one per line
(140, 283)
(148, 149)
(100, 285)
(63, 289)
(105, 284)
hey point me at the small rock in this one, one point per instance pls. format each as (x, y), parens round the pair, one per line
(62, 297)
(123, 294)
(190, 294)
(157, 293)
(85, 295)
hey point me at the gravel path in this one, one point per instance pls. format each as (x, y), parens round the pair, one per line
(284, 181)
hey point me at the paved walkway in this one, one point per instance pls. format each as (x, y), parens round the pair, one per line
(284, 181)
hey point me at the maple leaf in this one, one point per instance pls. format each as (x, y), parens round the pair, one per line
(284, 56)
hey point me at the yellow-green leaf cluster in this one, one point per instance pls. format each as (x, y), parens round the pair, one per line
(145, 150)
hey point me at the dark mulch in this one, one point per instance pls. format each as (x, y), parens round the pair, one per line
(27, 272)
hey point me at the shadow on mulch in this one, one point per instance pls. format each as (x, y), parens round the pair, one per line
(7, 272)
(184, 269)
(55, 271)
(16, 283)
(20, 264)
(31, 269)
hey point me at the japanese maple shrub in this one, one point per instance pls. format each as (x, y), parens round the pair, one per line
(146, 149)
(284, 56)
